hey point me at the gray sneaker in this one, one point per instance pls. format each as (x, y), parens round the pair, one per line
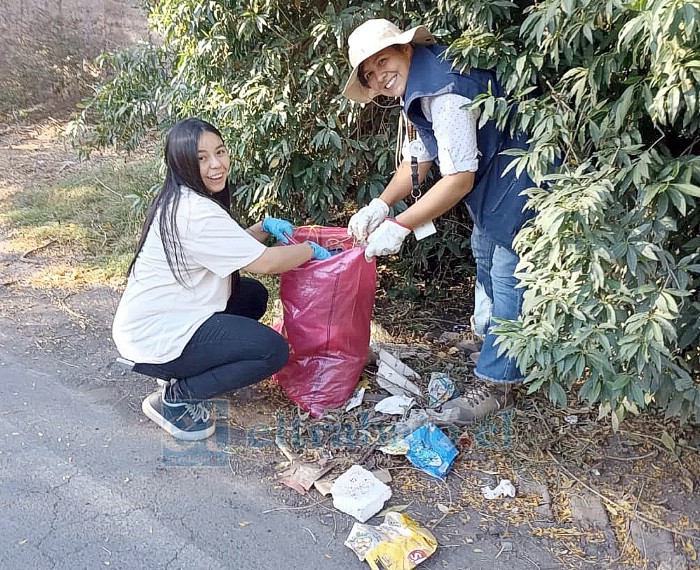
(479, 400)
(190, 421)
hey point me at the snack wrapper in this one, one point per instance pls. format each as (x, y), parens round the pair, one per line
(431, 450)
(440, 389)
(399, 543)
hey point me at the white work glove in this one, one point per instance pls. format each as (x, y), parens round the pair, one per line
(386, 239)
(367, 219)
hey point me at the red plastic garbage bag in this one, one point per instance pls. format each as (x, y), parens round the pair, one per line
(327, 312)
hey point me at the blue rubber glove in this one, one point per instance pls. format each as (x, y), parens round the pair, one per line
(320, 253)
(281, 229)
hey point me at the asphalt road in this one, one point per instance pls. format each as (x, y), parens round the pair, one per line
(83, 488)
(87, 482)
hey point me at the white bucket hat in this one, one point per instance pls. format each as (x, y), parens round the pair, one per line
(370, 38)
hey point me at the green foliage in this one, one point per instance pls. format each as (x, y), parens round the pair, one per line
(607, 90)
(611, 261)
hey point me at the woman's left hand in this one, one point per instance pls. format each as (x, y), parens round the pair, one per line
(386, 239)
(281, 229)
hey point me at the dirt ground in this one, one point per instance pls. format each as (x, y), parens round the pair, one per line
(586, 497)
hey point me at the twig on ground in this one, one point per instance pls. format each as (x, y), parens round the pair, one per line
(311, 533)
(82, 320)
(628, 533)
(230, 465)
(544, 422)
(661, 441)
(531, 562)
(108, 188)
(636, 458)
(26, 254)
(449, 506)
(316, 504)
(335, 529)
(288, 453)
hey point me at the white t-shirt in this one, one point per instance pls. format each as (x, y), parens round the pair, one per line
(454, 129)
(157, 315)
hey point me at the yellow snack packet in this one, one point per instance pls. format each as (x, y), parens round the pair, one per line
(399, 543)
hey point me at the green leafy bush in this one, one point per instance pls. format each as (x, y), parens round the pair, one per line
(606, 89)
(611, 261)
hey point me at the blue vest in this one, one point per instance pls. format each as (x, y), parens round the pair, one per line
(495, 203)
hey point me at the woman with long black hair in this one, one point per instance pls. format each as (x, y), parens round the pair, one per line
(186, 315)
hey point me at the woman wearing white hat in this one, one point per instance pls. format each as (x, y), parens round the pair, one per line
(434, 98)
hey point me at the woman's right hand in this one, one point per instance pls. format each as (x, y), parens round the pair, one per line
(367, 219)
(320, 253)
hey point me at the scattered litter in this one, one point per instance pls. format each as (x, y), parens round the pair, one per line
(393, 509)
(504, 489)
(397, 446)
(417, 418)
(395, 377)
(571, 420)
(400, 351)
(358, 493)
(399, 543)
(431, 450)
(507, 545)
(356, 399)
(443, 508)
(301, 475)
(324, 485)
(394, 405)
(440, 388)
(383, 475)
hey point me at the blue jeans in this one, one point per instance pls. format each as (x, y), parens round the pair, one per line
(229, 351)
(495, 295)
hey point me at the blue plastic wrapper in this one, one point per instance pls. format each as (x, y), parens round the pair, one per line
(431, 450)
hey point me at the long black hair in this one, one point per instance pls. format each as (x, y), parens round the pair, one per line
(182, 169)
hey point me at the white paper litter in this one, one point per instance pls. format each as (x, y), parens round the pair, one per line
(394, 376)
(356, 399)
(395, 405)
(504, 489)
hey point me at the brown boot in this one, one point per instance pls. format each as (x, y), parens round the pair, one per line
(480, 400)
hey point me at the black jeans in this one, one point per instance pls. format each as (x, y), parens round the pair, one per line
(230, 350)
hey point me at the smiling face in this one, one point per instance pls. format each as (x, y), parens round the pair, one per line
(386, 72)
(214, 162)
